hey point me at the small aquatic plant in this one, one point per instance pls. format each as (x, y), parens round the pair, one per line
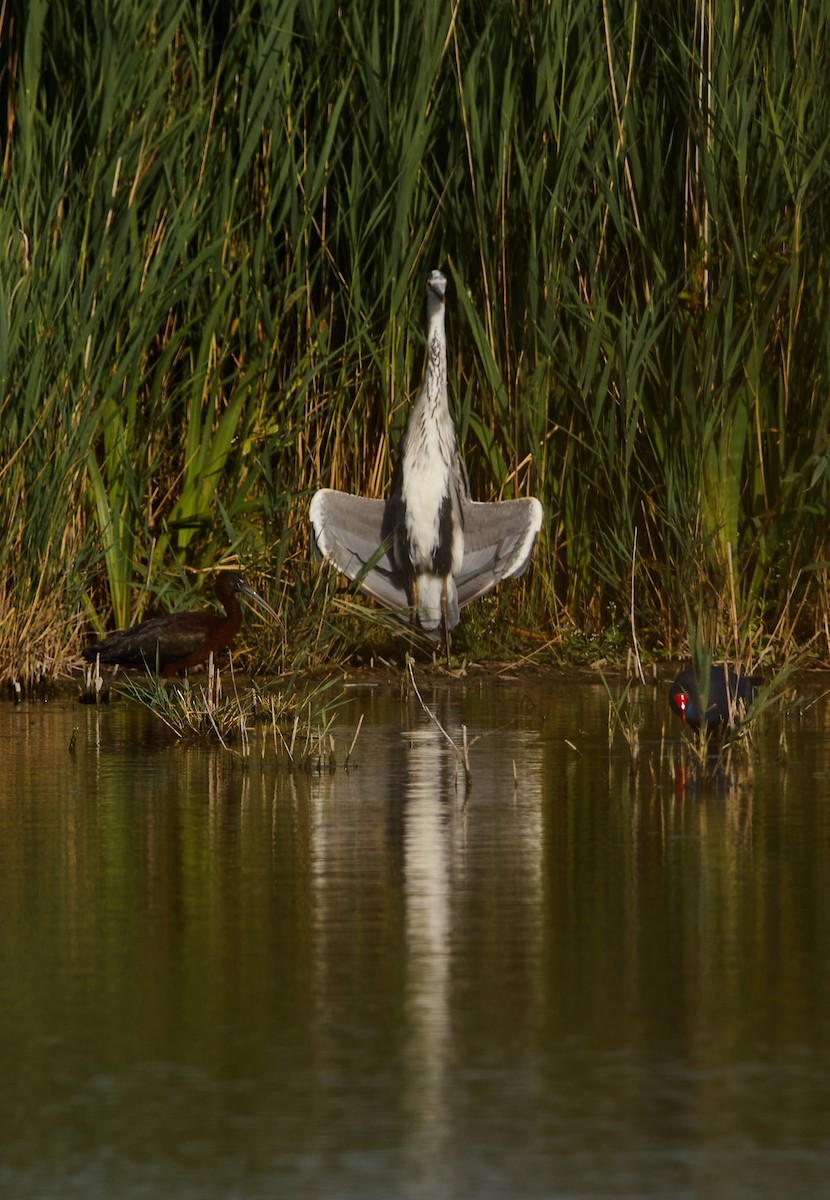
(295, 720)
(622, 717)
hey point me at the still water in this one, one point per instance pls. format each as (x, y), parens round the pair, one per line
(580, 978)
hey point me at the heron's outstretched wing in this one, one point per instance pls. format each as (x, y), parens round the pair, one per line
(355, 533)
(498, 541)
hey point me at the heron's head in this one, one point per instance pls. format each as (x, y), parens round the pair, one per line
(436, 286)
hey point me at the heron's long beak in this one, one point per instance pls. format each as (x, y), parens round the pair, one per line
(257, 599)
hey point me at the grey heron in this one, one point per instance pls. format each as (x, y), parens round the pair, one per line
(428, 548)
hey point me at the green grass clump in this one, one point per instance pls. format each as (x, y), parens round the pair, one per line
(215, 226)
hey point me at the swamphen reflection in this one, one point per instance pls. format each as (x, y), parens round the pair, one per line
(728, 694)
(179, 641)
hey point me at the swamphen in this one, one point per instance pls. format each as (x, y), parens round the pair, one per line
(724, 685)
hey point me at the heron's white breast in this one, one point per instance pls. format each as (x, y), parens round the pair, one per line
(427, 482)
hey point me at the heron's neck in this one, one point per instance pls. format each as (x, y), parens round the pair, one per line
(434, 392)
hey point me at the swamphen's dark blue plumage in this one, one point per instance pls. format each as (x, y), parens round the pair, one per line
(724, 685)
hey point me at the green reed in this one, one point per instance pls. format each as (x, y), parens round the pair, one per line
(216, 224)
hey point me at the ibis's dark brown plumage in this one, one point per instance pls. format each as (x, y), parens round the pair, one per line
(179, 641)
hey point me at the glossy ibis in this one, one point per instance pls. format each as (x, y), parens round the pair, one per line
(428, 548)
(728, 696)
(179, 641)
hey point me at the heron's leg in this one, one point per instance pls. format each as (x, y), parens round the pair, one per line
(444, 620)
(413, 612)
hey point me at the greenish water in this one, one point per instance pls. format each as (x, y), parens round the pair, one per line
(580, 979)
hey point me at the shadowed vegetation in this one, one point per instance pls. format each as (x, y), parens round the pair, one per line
(216, 222)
